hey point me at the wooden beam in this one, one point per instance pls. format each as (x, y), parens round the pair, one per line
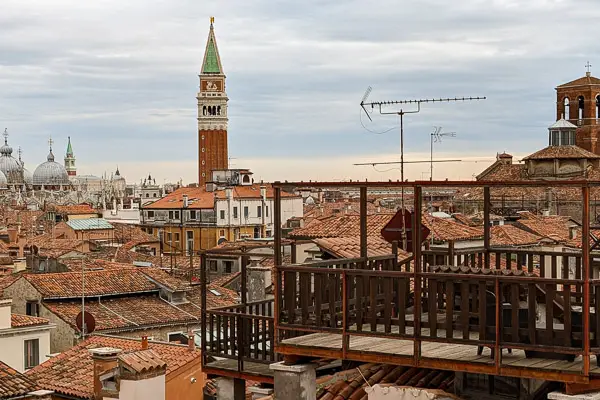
(579, 388)
(363, 222)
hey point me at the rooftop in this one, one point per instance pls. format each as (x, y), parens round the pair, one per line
(71, 372)
(349, 247)
(510, 235)
(14, 384)
(583, 81)
(89, 224)
(341, 226)
(21, 321)
(561, 152)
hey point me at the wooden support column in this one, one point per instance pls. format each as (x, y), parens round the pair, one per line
(585, 253)
(244, 277)
(416, 244)
(363, 222)
(486, 226)
(203, 285)
(278, 261)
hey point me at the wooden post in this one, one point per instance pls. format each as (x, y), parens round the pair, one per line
(585, 246)
(345, 337)
(363, 223)
(203, 285)
(277, 256)
(486, 226)
(416, 244)
(244, 278)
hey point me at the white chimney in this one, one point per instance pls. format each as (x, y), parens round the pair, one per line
(263, 193)
(5, 320)
(228, 193)
(185, 201)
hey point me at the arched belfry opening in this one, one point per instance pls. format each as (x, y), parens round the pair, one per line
(566, 109)
(580, 107)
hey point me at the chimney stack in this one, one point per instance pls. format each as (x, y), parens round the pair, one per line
(12, 235)
(185, 201)
(191, 343)
(105, 359)
(144, 342)
(263, 193)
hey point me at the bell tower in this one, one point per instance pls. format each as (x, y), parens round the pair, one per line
(70, 160)
(578, 102)
(212, 112)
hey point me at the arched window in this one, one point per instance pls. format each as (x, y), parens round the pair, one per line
(218, 110)
(598, 106)
(204, 110)
(214, 108)
(581, 104)
(566, 113)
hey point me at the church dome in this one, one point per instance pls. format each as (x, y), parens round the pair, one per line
(3, 181)
(27, 176)
(10, 167)
(50, 173)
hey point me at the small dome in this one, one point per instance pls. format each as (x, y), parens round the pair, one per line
(9, 166)
(50, 173)
(3, 181)
(6, 149)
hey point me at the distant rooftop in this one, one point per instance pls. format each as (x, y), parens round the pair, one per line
(89, 224)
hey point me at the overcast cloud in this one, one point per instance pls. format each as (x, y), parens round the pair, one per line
(120, 78)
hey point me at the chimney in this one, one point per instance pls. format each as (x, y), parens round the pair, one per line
(191, 343)
(504, 158)
(105, 360)
(572, 232)
(12, 235)
(5, 319)
(144, 342)
(228, 193)
(185, 201)
(263, 193)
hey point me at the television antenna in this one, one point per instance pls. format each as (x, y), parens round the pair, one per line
(381, 105)
(436, 136)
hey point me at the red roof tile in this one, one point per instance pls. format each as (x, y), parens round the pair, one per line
(14, 384)
(71, 372)
(510, 235)
(445, 229)
(127, 233)
(349, 247)
(583, 81)
(561, 152)
(342, 226)
(19, 321)
(75, 209)
(97, 283)
(142, 361)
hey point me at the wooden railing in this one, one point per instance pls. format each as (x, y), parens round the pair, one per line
(531, 300)
(243, 333)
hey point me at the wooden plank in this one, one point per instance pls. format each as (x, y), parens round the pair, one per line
(304, 295)
(482, 310)
(331, 289)
(514, 300)
(387, 305)
(431, 302)
(531, 311)
(464, 312)
(449, 308)
(567, 313)
(554, 267)
(402, 290)
(530, 263)
(373, 302)
(597, 317)
(318, 293)
(543, 266)
(550, 290)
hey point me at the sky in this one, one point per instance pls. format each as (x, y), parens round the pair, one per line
(121, 77)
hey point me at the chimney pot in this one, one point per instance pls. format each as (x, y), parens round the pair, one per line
(191, 343)
(144, 342)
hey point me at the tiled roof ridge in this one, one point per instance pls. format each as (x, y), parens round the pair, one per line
(21, 320)
(14, 384)
(564, 151)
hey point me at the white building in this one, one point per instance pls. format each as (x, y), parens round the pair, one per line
(24, 339)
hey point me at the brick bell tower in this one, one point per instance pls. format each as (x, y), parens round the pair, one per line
(578, 102)
(212, 112)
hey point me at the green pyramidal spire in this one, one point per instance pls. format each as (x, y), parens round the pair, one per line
(212, 61)
(69, 148)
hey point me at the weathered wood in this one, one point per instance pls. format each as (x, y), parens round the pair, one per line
(402, 294)
(431, 301)
(550, 295)
(318, 293)
(387, 310)
(531, 311)
(464, 312)
(373, 303)
(515, 312)
(567, 313)
(482, 311)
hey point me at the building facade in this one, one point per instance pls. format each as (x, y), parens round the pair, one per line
(212, 112)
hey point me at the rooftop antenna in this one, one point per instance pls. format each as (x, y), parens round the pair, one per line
(380, 105)
(436, 136)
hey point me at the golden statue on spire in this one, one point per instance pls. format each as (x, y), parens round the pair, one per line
(212, 20)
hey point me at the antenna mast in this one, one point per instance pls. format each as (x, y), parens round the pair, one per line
(380, 105)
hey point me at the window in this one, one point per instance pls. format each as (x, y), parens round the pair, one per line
(259, 211)
(150, 231)
(212, 265)
(222, 214)
(176, 214)
(581, 104)
(598, 106)
(177, 236)
(32, 308)
(235, 212)
(256, 232)
(150, 214)
(267, 211)
(566, 113)
(228, 266)
(153, 194)
(171, 214)
(169, 237)
(554, 138)
(32, 353)
(177, 337)
(147, 194)
(193, 214)
(269, 233)
(245, 212)
(222, 233)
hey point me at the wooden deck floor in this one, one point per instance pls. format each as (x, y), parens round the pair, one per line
(251, 368)
(438, 351)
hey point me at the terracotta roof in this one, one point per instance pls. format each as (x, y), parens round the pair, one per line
(500, 171)
(585, 80)
(349, 247)
(97, 283)
(19, 321)
(510, 235)
(75, 209)
(199, 198)
(226, 279)
(164, 279)
(342, 226)
(553, 227)
(71, 372)
(46, 241)
(128, 233)
(350, 384)
(29, 221)
(463, 219)
(14, 384)
(445, 229)
(142, 361)
(561, 152)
